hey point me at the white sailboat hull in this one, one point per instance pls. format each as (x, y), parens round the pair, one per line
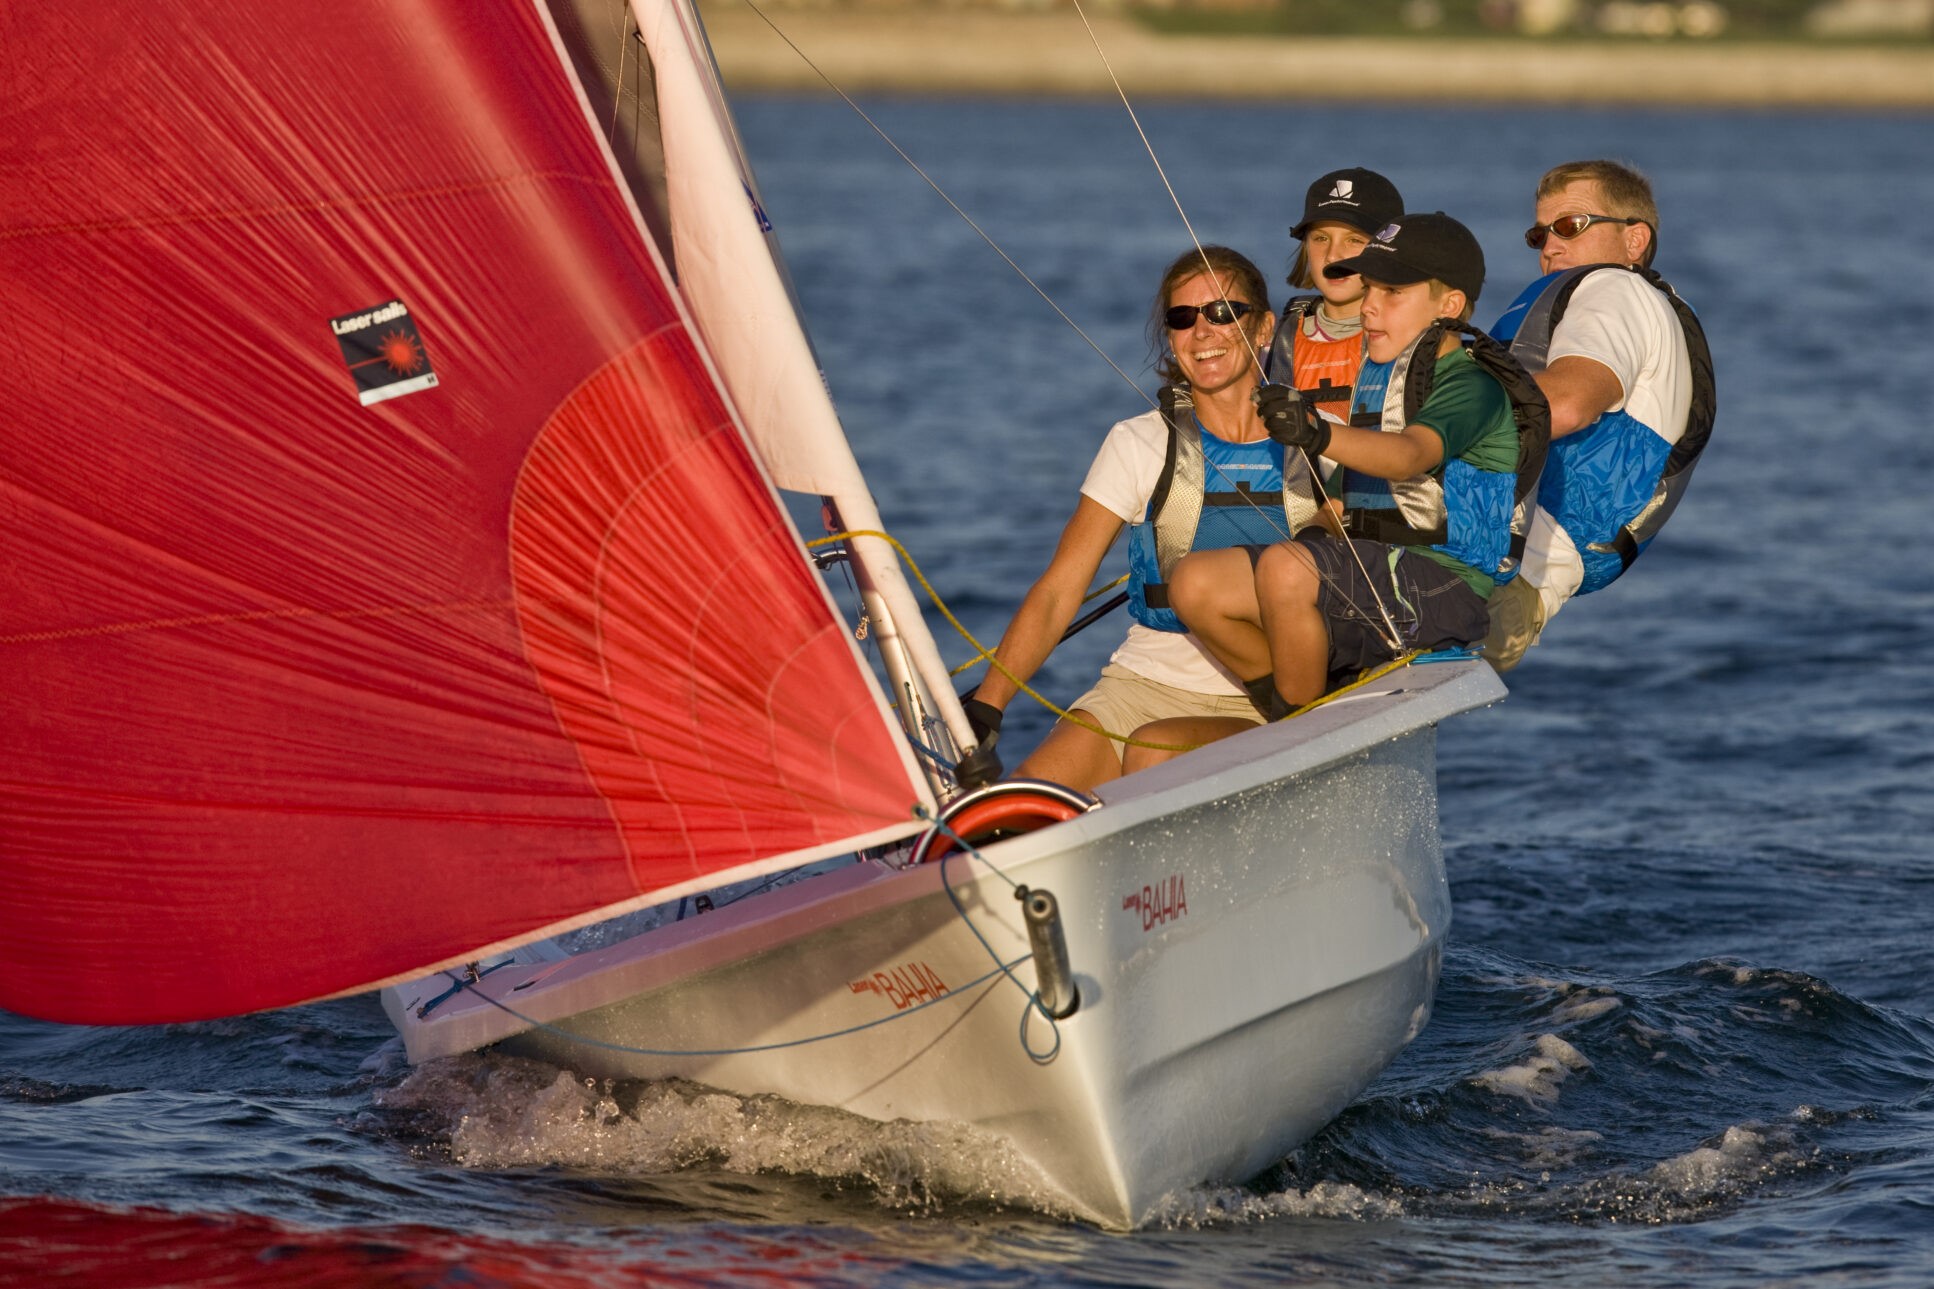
(1255, 931)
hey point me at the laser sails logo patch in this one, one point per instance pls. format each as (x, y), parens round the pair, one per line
(384, 353)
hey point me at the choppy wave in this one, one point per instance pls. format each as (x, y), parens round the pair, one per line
(499, 1112)
(1660, 1099)
(1532, 1097)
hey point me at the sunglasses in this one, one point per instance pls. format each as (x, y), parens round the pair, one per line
(1568, 227)
(1219, 313)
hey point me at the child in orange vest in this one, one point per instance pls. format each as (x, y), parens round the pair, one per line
(1319, 343)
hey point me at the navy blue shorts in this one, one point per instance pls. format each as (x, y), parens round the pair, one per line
(1431, 607)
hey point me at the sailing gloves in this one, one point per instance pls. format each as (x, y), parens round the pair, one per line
(984, 718)
(982, 766)
(1290, 421)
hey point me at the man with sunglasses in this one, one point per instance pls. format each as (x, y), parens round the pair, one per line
(1624, 366)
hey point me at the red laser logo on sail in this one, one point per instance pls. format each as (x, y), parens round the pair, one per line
(401, 352)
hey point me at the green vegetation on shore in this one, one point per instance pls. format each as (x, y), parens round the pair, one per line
(1613, 21)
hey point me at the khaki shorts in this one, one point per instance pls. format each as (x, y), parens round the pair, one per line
(1123, 701)
(1517, 616)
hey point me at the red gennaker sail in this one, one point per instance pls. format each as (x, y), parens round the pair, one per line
(386, 573)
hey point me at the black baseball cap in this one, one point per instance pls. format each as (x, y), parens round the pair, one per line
(1416, 248)
(1363, 199)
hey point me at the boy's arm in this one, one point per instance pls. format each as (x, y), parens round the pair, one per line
(1414, 451)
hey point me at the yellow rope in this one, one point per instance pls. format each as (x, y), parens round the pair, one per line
(1103, 590)
(1364, 678)
(981, 651)
(1099, 591)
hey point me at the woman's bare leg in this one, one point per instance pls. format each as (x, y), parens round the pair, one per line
(1214, 593)
(1299, 639)
(1073, 756)
(1187, 732)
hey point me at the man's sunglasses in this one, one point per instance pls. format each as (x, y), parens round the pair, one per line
(1219, 313)
(1568, 227)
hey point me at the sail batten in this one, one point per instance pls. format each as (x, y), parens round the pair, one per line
(388, 573)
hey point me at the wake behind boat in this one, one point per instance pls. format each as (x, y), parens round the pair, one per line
(382, 676)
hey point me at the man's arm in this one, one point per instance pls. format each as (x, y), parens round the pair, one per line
(1580, 390)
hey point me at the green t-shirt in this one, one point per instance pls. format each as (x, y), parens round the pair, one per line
(1471, 415)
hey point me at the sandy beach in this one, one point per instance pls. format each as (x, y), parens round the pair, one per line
(978, 51)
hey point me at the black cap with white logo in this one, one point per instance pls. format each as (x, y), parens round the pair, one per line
(1363, 199)
(1416, 248)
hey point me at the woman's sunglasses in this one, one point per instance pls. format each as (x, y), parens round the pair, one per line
(1568, 227)
(1219, 313)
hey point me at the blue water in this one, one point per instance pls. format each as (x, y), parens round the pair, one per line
(1684, 1031)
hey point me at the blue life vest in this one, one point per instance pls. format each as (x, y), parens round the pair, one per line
(1212, 494)
(1458, 510)
(1612, 485)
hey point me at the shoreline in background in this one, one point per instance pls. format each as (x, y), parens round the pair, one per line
(959, 51)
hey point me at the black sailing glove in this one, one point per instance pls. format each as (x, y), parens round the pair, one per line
(983, 765)
(984, 719)
(1291, 421)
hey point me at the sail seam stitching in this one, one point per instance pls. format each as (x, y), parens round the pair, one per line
(245, 213)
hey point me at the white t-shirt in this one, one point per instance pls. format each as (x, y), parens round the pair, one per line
(1625, 323)
(1121, 480)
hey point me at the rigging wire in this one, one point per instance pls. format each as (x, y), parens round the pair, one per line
(1395, 638)
(1162, 173)
(992, 244)
(1009, 260)
(468, 982)
(618, 85)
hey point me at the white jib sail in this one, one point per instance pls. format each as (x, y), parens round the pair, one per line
(729, 274)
